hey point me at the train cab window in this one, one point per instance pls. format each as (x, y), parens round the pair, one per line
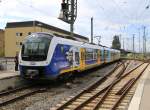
(35, 48)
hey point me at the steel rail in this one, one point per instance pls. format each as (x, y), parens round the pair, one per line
(105, 89)
(89, 88)
(14, 90)
(21, 97)
(120, 91)
(128, 88)
(111, 86)
(61, 107)
(122, 71)
(96, 95)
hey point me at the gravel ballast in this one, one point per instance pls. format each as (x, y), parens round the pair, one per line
(54, 95)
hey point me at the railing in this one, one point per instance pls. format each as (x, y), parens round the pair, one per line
(7, 64)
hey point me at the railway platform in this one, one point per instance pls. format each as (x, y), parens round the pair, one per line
(8, 74)
(140, 100)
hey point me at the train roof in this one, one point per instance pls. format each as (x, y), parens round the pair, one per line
(83, 44)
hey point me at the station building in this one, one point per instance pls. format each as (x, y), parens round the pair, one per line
(15, 33)
(1, 42)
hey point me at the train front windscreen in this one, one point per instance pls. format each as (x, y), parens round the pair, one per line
(36, 47)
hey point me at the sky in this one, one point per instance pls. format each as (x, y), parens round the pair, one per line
(111, 17)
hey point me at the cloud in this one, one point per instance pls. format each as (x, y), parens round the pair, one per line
(110, 16)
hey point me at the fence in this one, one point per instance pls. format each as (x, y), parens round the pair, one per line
(7, 64)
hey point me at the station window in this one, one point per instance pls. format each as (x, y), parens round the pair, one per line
(19, 44)
(19, 34)
(29, 33)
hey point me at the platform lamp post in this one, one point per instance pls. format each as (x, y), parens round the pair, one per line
(68, 13)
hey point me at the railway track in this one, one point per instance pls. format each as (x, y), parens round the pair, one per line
(16, 94)
(114, 93)
(11, 96)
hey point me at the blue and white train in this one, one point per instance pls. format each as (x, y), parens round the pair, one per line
(45, 56)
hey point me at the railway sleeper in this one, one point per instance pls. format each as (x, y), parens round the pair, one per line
(103, 109)
(106, 106)
(91, 104)
(121, 107)
(84, 97)
(87, 95)
(87, 108)
(111, 103)
(71, 107)
(125, 100)
(113, 96)
(80, 100)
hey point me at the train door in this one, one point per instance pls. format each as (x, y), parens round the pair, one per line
(76, 57)
(82, 58)
(98, 57)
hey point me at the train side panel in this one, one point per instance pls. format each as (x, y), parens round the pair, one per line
(65, 56)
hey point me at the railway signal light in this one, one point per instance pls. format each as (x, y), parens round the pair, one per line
(68, 13)
(64, 11)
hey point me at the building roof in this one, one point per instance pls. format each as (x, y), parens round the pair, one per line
(40, 24)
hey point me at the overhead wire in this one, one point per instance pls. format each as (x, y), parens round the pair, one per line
(147, 2)
(121, 10)
(105, 13)
(102, 8)
(31, 6)
(113, 7)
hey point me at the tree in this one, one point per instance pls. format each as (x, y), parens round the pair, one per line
(116, 42)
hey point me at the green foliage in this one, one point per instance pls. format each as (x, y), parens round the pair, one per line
(116, 42)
